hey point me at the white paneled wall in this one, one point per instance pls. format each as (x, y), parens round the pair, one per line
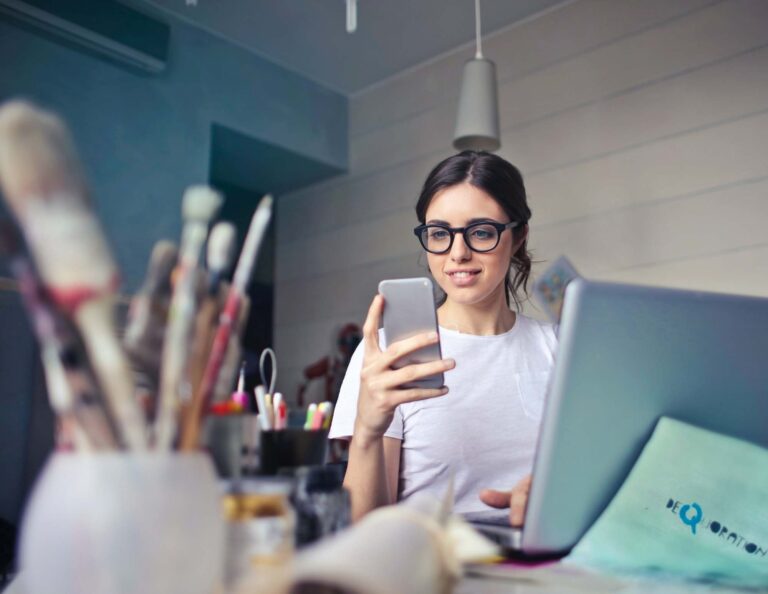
(640, 126)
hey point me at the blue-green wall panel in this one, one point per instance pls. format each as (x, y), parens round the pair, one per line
(145, 138)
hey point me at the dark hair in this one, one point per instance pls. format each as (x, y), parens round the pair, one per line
(504, 183)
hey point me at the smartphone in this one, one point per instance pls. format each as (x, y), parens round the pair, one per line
(409, 309)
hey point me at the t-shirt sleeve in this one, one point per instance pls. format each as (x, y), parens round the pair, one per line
(547, 335)
(343, 422)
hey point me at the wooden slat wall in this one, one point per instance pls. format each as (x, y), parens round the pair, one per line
(641, 127)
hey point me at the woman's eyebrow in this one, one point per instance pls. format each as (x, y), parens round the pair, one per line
(469, 222)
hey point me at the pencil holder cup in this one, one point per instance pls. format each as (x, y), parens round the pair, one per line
(233, 442)
(123, 523)
(292, 448)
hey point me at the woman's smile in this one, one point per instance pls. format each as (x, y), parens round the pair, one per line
(463, 277)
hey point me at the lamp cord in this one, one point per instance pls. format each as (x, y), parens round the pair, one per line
(479, 52)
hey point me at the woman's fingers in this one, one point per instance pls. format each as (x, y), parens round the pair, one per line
(494, 498)
(417, 371)
(518, 501)
(413, 394)
(524, 484)
(380, 394)
(517, 505)
(371, 327)
(401, 348)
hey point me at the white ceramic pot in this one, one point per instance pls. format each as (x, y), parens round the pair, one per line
(123, 523)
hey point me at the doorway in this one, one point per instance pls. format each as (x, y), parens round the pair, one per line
(244, 168)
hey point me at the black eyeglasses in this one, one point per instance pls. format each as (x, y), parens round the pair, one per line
(479, 237)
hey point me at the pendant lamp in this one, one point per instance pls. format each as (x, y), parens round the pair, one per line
(477, 122)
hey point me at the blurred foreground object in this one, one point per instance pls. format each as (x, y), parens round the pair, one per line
(123, 523)
(43, 185)
(411, 548)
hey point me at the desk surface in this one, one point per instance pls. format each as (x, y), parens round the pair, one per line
(522, 581)
(485, 585)
(473, 585)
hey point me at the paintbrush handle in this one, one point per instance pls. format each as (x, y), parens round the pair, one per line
(233, 358)
(250, 251)
(61, 397)
(205, 330)
(93, 318)
(148, 317)
(68, 383)
(181, 318)
(202, 399)
(90, 425)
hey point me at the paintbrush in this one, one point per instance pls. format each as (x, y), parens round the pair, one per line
(233, 356)
(199, 206)
(228, 320)
(220, 253)
(229, 365)
(44, 187)
(147, 317)
(71, 389)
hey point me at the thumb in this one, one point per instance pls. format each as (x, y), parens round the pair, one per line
(494, 498)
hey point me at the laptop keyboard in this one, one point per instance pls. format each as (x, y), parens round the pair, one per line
(490, 518)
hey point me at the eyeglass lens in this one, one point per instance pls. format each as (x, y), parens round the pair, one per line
(479, 237)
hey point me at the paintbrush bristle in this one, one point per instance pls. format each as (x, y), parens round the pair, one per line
(221, 246)
(37, 157)
(200, 204)
(43, 185)
(161, 264)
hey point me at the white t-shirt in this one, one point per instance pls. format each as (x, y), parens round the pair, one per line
(484, 430)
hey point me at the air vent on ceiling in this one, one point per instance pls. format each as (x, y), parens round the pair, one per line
(105, 27)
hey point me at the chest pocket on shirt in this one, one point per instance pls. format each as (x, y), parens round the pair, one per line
(532, 390)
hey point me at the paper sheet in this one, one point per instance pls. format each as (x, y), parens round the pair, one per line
(695, 505)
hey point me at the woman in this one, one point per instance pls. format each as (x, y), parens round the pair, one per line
(481, 428)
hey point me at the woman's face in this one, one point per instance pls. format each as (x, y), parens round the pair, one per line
(467, 277)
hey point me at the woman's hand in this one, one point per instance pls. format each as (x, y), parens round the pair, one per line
(380, 391)
(515, 500)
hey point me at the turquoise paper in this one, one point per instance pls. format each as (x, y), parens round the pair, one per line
(694, 505)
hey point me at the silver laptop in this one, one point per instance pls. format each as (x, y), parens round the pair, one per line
(628, 355)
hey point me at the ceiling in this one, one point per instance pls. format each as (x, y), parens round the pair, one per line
(310, 38)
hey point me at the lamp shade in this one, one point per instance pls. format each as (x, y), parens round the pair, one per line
(477, 122)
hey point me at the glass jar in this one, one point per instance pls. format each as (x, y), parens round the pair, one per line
(260, 528)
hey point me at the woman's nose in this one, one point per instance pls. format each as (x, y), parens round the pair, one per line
(460, 251)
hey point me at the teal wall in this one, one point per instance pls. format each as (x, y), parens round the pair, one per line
(145, 138)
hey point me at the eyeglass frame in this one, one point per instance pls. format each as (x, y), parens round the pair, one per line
(500, 228)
